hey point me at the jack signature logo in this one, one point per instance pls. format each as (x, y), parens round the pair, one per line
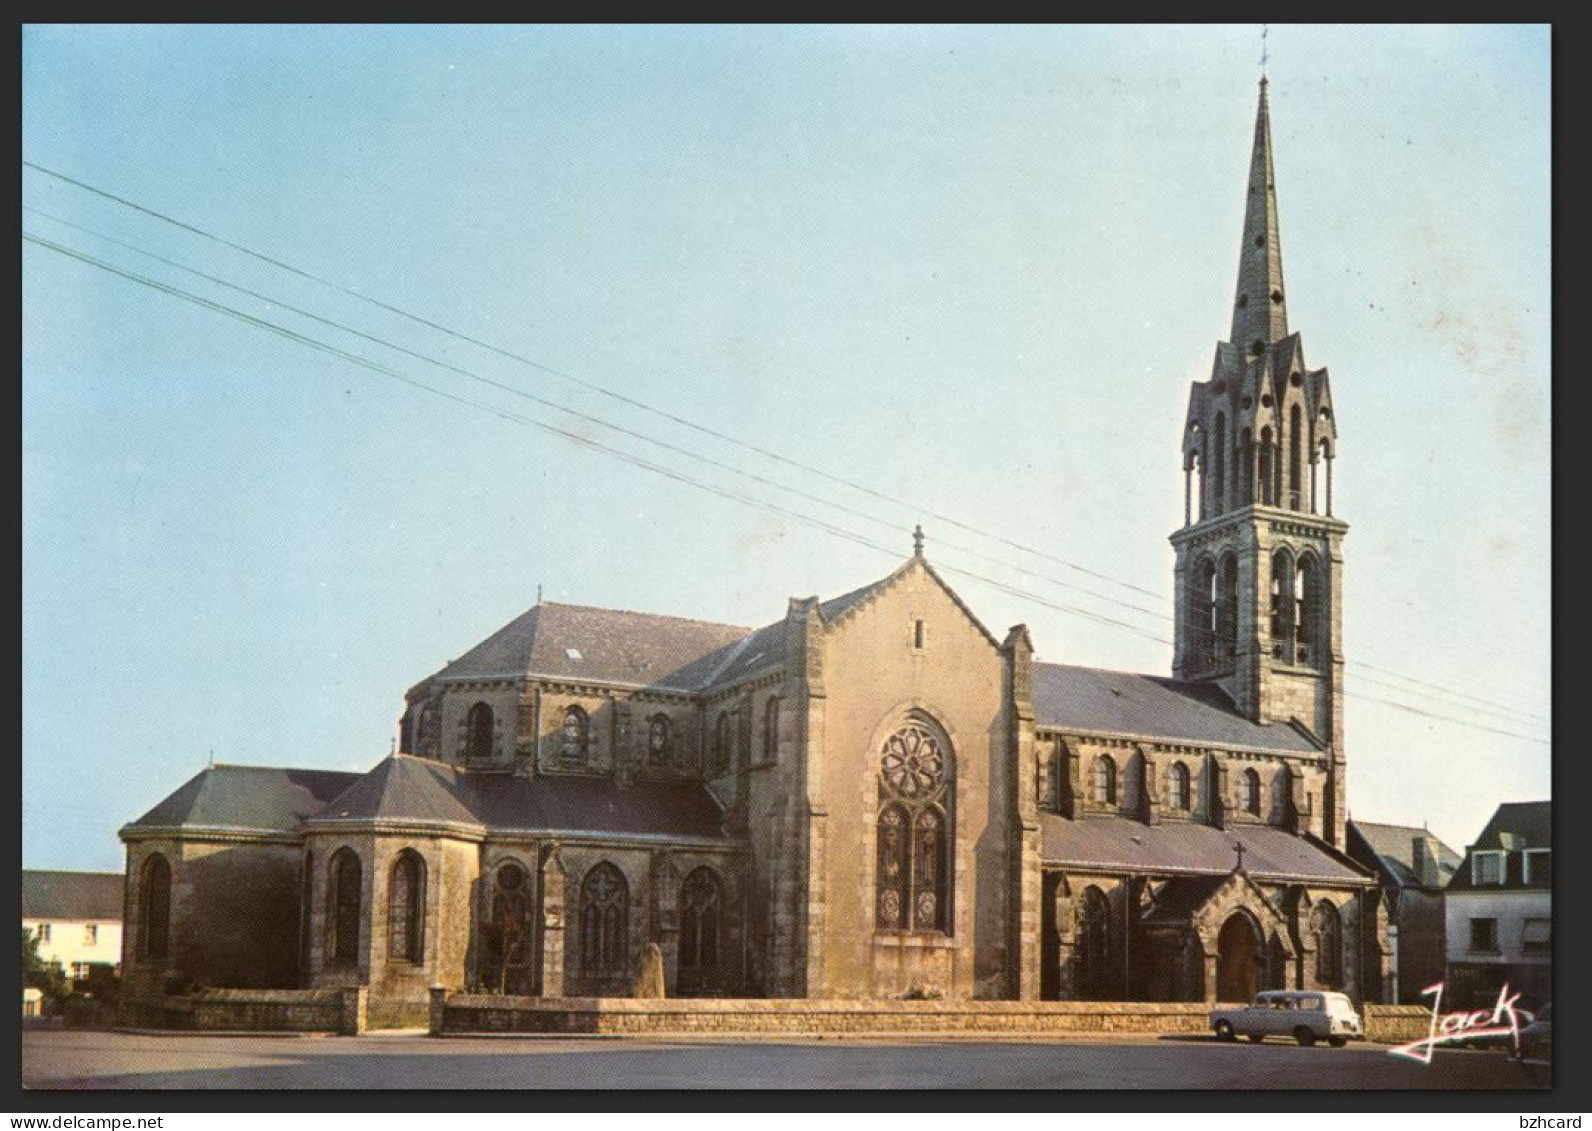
(1449, 1028)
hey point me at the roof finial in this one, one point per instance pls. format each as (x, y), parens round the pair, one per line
(392, 746)
(1265, 30)
(538, 592)
(212, 757)
(917, 541)
(1238, 847)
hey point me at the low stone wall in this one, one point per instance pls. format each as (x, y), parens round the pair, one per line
(486, 1013)
(1395, 1024)
(274, 1011)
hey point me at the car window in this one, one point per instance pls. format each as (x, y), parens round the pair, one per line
(1310, 1003)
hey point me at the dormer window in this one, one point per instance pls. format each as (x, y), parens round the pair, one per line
(1539, 865)
(1486, 868)
(572, 654)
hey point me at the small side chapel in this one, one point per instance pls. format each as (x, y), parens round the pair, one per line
(869, 796)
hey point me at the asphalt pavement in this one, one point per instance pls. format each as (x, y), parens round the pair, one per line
(58, 1058)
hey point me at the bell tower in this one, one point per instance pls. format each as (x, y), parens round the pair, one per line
(1259, 557)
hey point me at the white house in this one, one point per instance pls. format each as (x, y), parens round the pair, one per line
(1498, 911)
(77, 918)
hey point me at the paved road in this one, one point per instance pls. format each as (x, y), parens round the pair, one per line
(54, 1058)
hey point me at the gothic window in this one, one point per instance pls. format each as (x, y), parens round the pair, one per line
(1246, 469)
(720, 760)
(771, 730)
(426, 731)
(1202, 607)
(406, 733)
(1327, 930)
(1267, 467)
(912, 880)
(702, 900)
(1218, 476)
(346, 879)
(1227, 608)
(1178, 791)
(306, 902)
(507, 954)
(1251, 792)
(575, 738)
(478, 734)
(1105, 780)
(406, 908)
(604, 922)
(1282, 605)
(1295, 455)
(658, 740)
(1094, 955)
(154, 908)
(1305, 608)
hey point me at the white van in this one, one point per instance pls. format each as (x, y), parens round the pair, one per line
(1305, 1015)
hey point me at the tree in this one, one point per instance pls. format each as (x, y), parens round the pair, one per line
(47, 977)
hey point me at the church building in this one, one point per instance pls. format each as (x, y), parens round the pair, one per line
(873, 795)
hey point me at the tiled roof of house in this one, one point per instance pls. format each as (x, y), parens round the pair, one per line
(72, 895)
(1067, 697)
(1186, 847)
(247, 798)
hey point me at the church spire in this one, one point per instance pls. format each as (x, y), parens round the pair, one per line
(1259, 311)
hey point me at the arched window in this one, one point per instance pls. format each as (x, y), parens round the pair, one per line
(1202, 609)
(406, 733)
(1227, 608)
(1282, 605)
(1327, 930)
(346, 878)
(702, 901)
(658, 739)
(1305, 609)
(1105, 780)
(719, 762)
(1295, 458)
(604, 922)
(1267, 468)
(506, 958)
(154, 908)
(1246, 469)
(406, 908)
(1218, 475)
(575, 738)
(1178, 791)
(771, 730)
(426, 731)
(1095, 980)
(478, 734)
(1251, 792)
(912, 881)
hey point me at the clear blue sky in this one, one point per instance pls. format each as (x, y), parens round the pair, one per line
(973, 268)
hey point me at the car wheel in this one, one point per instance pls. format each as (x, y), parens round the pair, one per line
(1304, 1036)
(1224, 1030)
(1337, 1042)
(1256, 1038)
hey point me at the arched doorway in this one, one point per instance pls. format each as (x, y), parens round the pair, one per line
(1237, 948)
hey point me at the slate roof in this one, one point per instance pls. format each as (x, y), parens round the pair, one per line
(1182, 896)
(418, 790)
(1067, 697)
(614, 646)
(1393, 847)
(72, 895)
(1185, 847)
(247, 799)
(1532, 822)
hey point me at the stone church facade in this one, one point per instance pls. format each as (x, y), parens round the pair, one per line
(871, 796)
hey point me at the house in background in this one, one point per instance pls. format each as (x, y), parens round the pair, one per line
(1413, 867)
(1499, 908)
(77, 918)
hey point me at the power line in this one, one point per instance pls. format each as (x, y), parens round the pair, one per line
(687, 423)
(841, 532)
(1194, 628)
